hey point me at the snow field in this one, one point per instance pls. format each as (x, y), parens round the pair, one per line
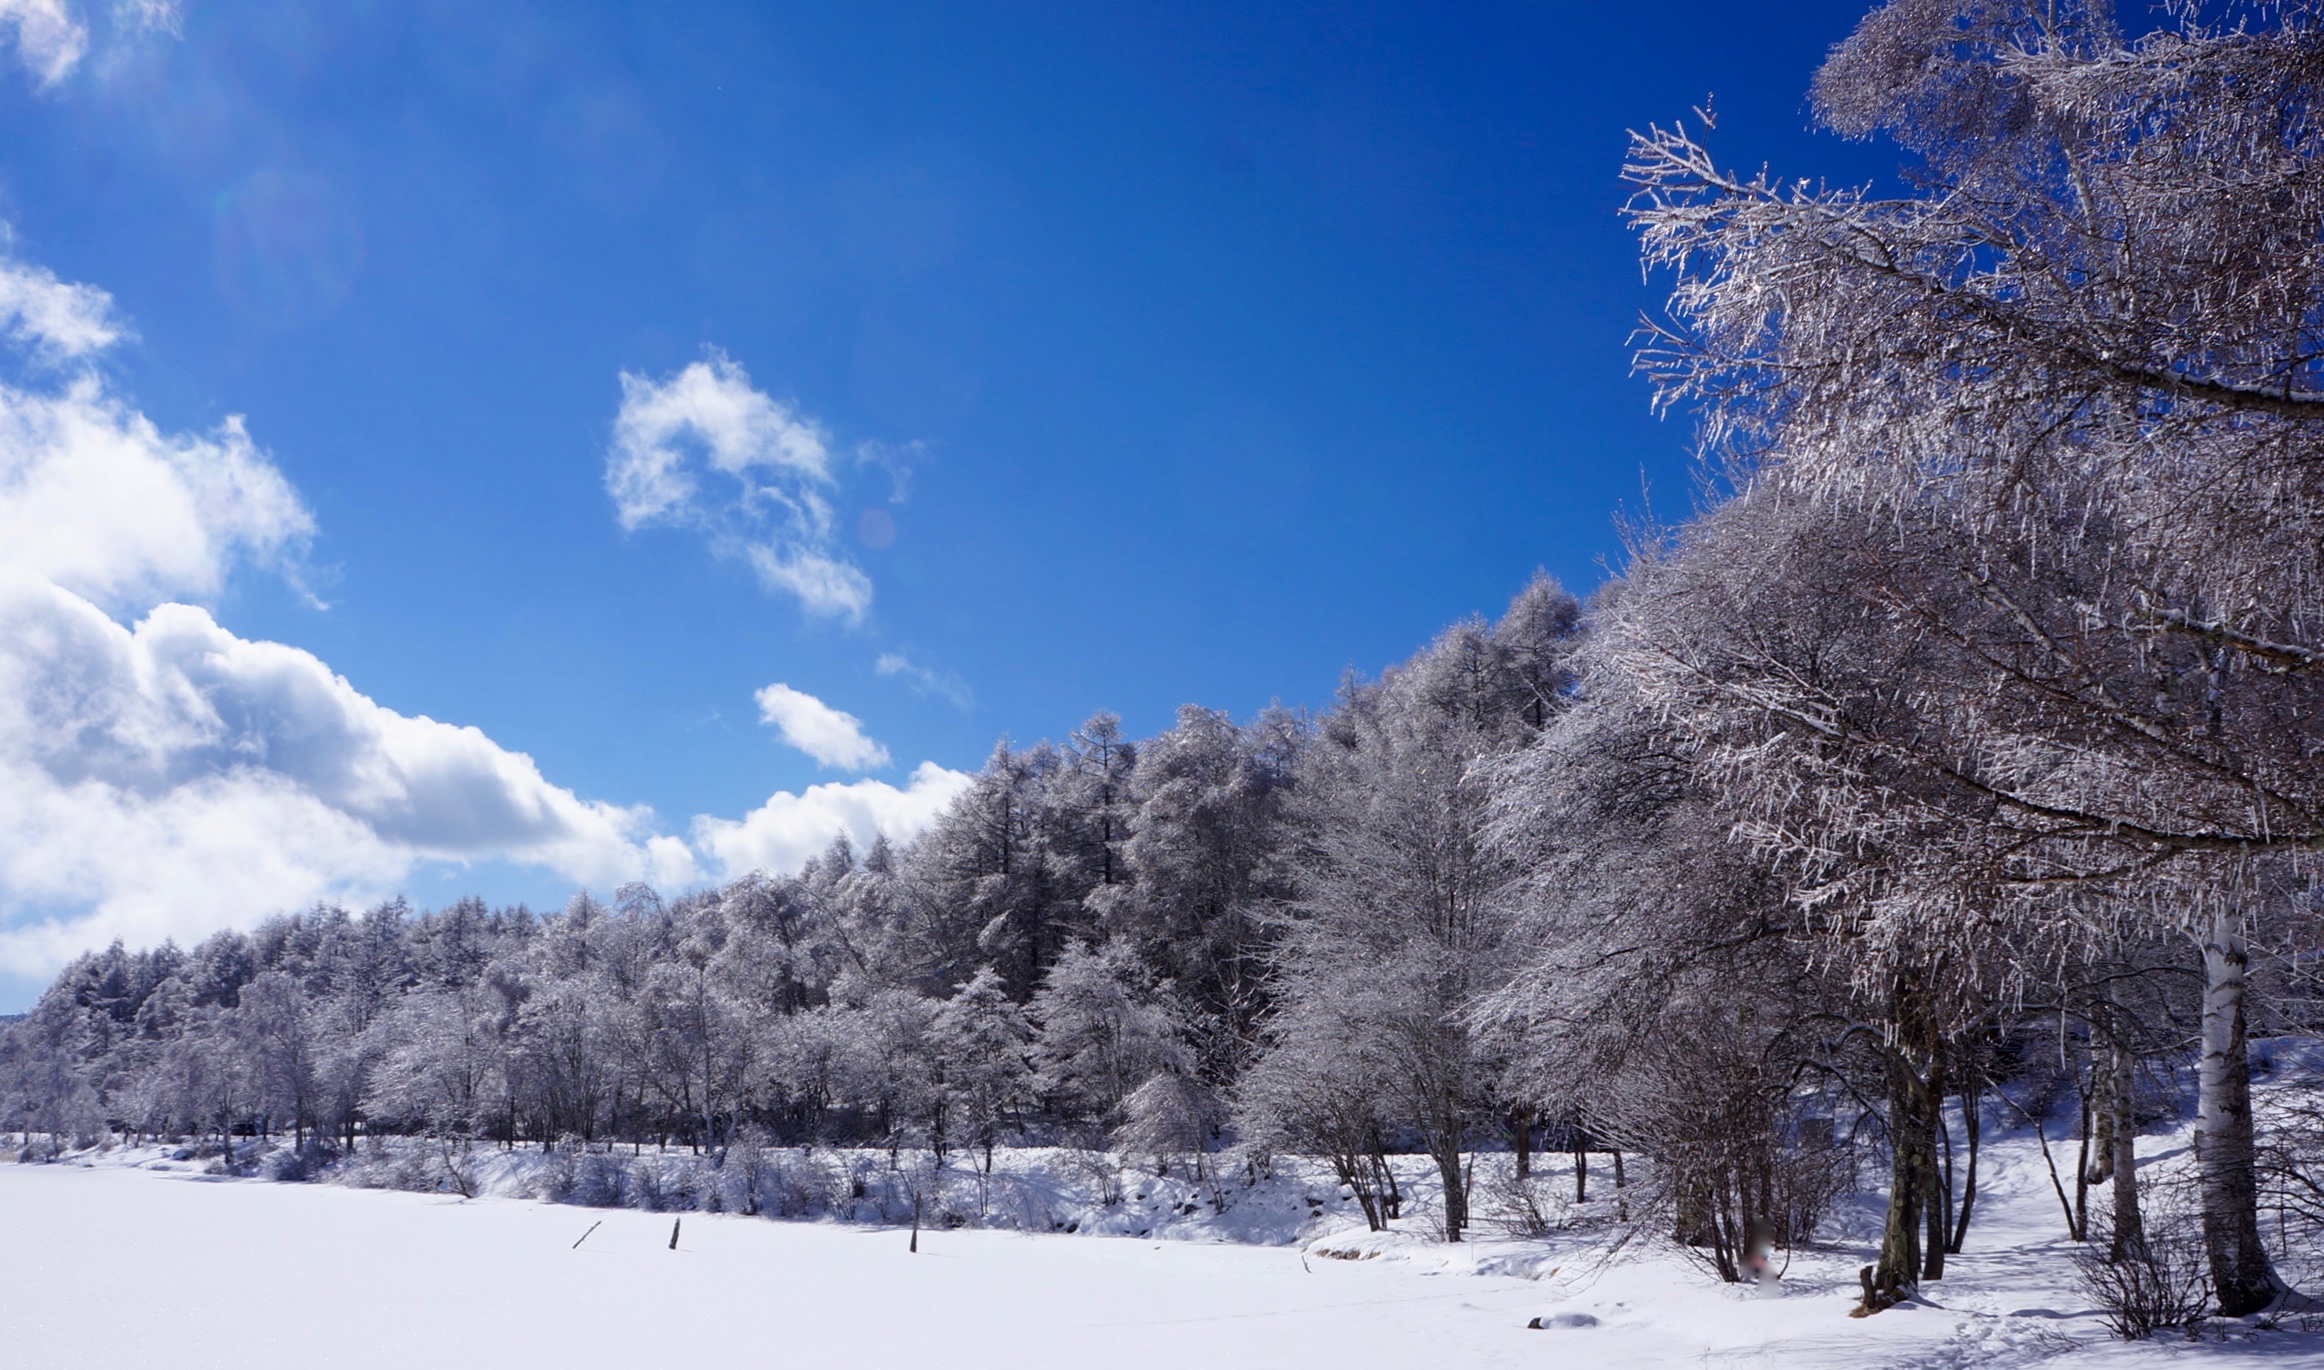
(231, 1273)
(113, 1261)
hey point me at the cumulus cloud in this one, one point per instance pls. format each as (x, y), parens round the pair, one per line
(831, 737)
(144, 710)
(945, 685)
(98, 500)
(784, 832)
(706, 450)
(50, 38)
(161, 776)
(170, 778)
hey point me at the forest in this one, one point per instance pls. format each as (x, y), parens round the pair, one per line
(1957, 760)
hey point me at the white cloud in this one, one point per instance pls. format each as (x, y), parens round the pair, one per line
(897, 460)
(738, 427)
(50, 39)
(781, 834)
(946, 685)
(831, 737)
(160, 776)
(57, 320)
(95, 498)
(824, 584)
(157, 16)
(706, 450)
(170, 778)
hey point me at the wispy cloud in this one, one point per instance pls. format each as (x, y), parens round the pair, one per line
(944, 685)
(153, 16)
(706, 450)
(897, 460)
(56, 320)
(50, 38)
(831, 737)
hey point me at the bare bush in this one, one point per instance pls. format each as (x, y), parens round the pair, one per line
(2159, 1281)
(1534, 1206)
(2292, 1175)
(1100, 1171)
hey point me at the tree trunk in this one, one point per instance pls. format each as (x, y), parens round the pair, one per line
(1972, 1125)
(1912, 1158)
(1354, 1172)
(1392, 1197)
(2099, 1160)
(1521, 1140)
(1945, 1155)
(1936, 1182)
(1456, 1201)
(2079, 1219)
(2242, 1280)
(2129, 1231)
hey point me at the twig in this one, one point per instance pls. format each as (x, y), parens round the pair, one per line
(585, 1236)
(2055, 1182)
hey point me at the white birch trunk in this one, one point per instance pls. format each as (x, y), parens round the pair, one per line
(2242, 1280)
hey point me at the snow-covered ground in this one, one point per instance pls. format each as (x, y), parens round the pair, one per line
(120, 1264)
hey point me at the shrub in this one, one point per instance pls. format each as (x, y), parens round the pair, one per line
(2159, 1283)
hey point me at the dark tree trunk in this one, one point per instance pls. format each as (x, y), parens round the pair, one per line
(1972, 1127)
(1936, 1183)
(1456, 1199)
(1893, 1276)
(2081, 1214)
(2129, 1231)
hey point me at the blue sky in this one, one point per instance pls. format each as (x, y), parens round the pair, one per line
(1126, 357)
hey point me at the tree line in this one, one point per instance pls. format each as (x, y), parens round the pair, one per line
(1959, 757)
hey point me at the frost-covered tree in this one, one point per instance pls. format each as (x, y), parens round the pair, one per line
(983, 1043)
(1665, 999)
(1324, 1087)
(1103, 1029)
(275, 1030)
(2042, 419)
(443, 1066)
(1094, 790)
(1206, 870)
(991, 872)
(1402, 905)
